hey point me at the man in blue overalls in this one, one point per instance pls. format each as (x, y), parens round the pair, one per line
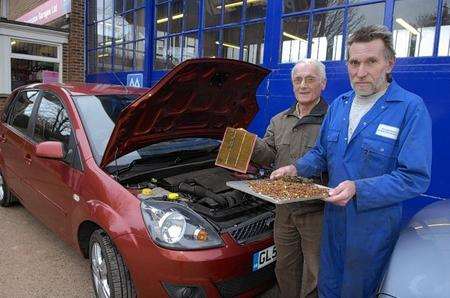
(375, 143)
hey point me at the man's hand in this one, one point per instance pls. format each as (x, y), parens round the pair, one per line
(284, 171)
(343, 193)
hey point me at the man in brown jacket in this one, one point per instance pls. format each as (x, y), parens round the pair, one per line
(298, 226)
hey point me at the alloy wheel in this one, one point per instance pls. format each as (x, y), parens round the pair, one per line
(99, 271)
(2, 192)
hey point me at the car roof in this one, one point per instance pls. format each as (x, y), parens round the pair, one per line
(92, 89)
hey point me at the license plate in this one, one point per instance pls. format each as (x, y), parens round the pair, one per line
(264, 257)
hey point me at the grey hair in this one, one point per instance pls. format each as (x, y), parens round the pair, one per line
(373, 32)
(319, 66)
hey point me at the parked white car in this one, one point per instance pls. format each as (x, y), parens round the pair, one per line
(420, 263)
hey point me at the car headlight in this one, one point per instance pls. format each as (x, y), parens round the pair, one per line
(173, 225)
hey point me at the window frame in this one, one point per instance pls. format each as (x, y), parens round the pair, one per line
(202, 29)
(76, 161)
(27, 133)
(43, 95)
(272, 39)
(437, 26)
(99, 68)
(311, 12)
(167, 37)
(31, 35)
(388, 21)
(58, 59)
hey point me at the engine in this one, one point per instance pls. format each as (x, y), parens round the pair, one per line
(205, 192)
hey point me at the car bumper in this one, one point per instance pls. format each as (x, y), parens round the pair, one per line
(225, 271)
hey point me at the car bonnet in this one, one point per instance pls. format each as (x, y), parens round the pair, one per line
(198, 98)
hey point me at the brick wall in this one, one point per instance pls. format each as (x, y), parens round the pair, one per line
(74, 53)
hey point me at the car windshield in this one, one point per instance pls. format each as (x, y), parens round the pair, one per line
(99, 114)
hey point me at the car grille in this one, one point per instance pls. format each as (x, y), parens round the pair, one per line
(253, 229)
(264, 278)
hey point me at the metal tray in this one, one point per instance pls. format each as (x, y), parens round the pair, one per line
(245, 187)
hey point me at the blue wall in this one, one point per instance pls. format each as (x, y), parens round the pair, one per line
(428, 77)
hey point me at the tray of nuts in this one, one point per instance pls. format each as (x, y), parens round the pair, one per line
(283, 190)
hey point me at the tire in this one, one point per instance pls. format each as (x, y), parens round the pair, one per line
(6, 198)
(109, 274)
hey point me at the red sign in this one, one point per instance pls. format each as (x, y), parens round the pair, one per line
(46, 12)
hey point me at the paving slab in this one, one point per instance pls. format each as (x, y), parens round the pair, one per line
(34, 262)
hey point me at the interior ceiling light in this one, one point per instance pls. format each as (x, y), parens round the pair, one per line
(13, 42)
(293, 37)
(229, 45)
(407, 26)
(163, 20)
(240, 3)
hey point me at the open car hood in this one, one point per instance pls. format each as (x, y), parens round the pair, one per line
(198, 98)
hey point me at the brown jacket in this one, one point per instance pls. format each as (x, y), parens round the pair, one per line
(288, 138)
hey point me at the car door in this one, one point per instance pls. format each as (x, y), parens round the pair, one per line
(55, 183)
(13, 134)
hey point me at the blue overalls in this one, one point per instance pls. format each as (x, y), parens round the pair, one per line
(389, 158)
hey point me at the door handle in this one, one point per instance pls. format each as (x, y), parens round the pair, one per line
(2, 138)
(28, 159)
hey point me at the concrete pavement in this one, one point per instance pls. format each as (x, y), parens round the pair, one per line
(34, 262)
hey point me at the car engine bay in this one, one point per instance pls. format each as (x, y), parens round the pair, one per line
(205, 192)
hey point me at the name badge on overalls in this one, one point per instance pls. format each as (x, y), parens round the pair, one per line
(387, 131)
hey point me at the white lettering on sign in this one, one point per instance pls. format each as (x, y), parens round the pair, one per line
(134, 82)
(46, 12)
(387, 131)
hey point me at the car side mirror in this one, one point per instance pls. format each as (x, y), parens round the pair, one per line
(50, 149)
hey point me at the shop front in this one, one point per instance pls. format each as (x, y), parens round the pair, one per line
(30, 54)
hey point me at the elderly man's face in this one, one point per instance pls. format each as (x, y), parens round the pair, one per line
(307, 83)
(368, 66)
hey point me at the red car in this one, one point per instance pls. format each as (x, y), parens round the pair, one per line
(127, 177)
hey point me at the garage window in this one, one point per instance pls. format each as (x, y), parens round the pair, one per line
(319, 29)
(225, 28)
(115, 35)
(414, 27)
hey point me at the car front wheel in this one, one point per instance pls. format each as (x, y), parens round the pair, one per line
(6, 198)
(110, 275)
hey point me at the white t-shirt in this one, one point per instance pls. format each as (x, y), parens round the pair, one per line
(360, 106)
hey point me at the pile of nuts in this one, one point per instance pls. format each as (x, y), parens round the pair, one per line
(288, 188)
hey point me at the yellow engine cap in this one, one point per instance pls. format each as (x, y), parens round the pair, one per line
(146, 191)
(173, 196)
